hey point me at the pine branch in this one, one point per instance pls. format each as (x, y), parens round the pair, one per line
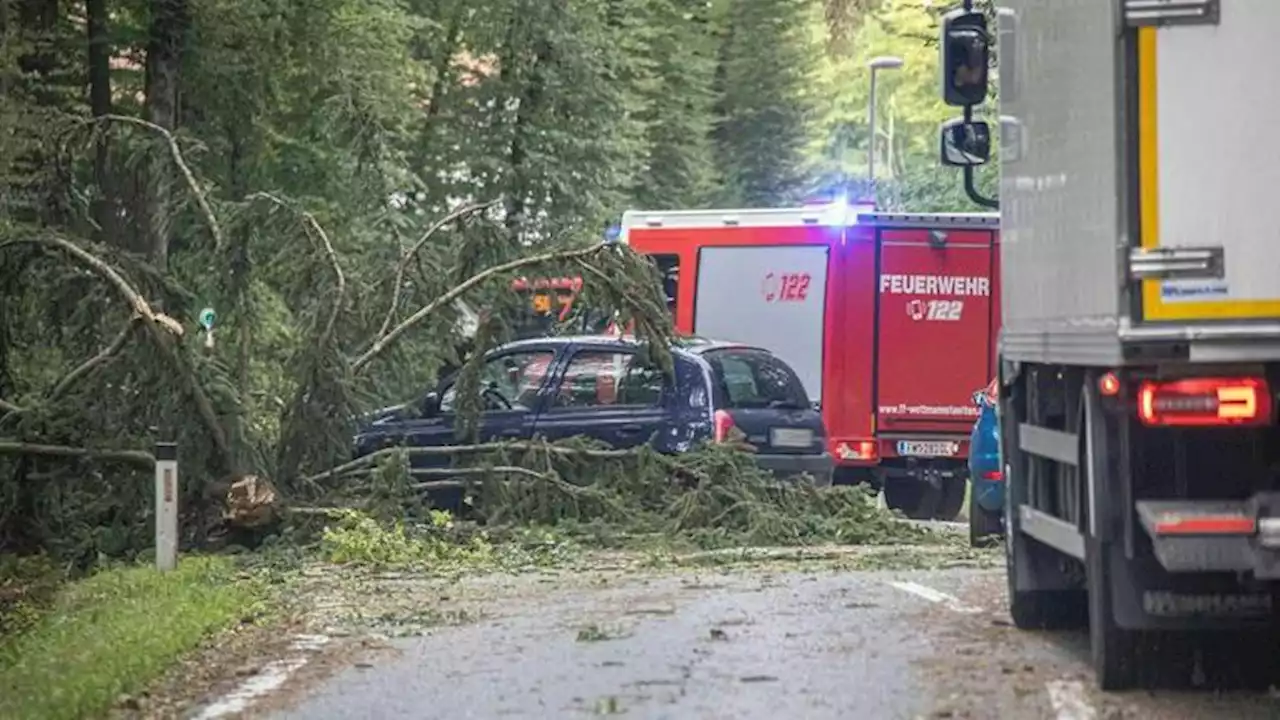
(373, 457)
(332, 254)
(385, 340)
(412, 254)
(94, 362)
(9, 407)
(135, 300)
(133, 457)
(448, 473)
(180, 160)
(204, 406)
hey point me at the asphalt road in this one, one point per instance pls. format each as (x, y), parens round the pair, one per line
(754, 642)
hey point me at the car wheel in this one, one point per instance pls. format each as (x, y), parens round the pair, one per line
(983, 525)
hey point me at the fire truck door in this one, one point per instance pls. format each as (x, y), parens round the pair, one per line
(768, 296)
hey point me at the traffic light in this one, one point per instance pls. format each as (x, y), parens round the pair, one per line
(966, 49)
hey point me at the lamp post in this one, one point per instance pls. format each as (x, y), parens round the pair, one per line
(883, 62)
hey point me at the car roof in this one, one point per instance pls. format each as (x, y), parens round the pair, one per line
(692, 345)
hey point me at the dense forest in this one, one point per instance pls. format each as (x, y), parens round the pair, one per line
(342, 179)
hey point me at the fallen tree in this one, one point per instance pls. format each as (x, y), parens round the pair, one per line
(712, 496)
(277, 401)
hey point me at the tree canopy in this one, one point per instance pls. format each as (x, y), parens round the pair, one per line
(348, 183)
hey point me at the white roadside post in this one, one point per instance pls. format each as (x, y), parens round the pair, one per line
(166, 506)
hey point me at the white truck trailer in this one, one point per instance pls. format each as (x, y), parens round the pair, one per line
(1140, 351)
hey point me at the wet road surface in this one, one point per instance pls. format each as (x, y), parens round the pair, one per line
(749, 642)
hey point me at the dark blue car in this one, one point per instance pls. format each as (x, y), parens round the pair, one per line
(986, 476)
(601, 387)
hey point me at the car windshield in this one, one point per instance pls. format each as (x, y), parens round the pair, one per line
(748, 378)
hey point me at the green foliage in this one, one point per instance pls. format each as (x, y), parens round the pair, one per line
(27, 586)
(909, 111)
(768, 61)
(325, 142)
(676, 103)
(358, 538)
(712, 497)
(112, 633)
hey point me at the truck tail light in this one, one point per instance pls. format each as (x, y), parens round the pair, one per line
(723, 423)
(1203, 402)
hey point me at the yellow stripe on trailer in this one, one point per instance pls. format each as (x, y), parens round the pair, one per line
(1153, 305)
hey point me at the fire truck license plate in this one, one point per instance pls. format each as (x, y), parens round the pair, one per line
(925, 448)
(791, 437)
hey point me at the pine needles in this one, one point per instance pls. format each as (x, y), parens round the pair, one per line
(714, 496)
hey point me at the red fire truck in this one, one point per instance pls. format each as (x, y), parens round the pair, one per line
(890, 320)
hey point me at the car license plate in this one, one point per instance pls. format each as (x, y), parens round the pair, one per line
(790, 437)
(927, 448)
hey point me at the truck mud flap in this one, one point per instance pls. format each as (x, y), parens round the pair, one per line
(1145, 596)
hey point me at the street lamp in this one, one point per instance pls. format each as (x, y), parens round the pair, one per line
(883, 62)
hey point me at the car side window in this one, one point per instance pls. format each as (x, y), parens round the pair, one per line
(510, 378)
(606, 379)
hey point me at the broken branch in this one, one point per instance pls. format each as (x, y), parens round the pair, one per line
(412, 254)
(113, 278)
(386, 340)
(134, 457)
(175, 151)
(373, 457)
(467, 472)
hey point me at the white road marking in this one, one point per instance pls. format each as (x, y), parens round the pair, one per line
(268, 679)
(1069, 701)
(934, 596)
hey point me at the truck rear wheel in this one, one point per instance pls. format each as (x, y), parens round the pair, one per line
(1040, 609)
(1114, 649)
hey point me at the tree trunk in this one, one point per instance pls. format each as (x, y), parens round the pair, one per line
(103, 206)
(239, 281)
(164, 59)
(529, 103)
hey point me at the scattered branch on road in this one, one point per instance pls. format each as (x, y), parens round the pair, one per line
(713, 496)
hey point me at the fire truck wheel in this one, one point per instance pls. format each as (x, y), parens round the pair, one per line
(914, 498)
(952, 500)
(856, 476)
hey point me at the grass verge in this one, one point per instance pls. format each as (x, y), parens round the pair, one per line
(112, 633)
